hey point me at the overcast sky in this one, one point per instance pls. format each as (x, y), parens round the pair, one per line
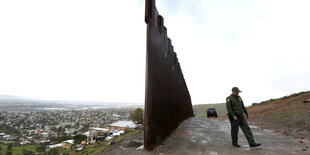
(95, 50)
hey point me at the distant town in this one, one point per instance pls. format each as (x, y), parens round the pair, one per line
(58, 126)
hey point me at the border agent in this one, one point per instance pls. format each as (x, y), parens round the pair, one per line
(235, 108)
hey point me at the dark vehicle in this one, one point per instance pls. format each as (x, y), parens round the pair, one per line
(211, 112)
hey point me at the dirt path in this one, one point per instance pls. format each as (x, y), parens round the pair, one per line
(197, 136)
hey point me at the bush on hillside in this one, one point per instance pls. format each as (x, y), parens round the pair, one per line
(137, 116)
(79, 138)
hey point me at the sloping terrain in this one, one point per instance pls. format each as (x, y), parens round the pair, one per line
(202, 136)
(289, 115)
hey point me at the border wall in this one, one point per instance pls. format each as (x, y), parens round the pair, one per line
(167, 99)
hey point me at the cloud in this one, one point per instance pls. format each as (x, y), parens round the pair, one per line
(95, 50)
(246, 44)
(73, 50)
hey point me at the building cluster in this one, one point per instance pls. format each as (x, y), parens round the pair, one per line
(95, 134)
(47, 127)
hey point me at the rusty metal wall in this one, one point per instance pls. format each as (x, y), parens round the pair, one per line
(167, 100)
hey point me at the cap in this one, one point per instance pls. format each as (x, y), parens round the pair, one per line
(236, 89)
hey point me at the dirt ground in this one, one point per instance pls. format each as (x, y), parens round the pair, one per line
(197, 136)
(289, 116)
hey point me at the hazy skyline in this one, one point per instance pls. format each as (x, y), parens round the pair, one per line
(95, 50)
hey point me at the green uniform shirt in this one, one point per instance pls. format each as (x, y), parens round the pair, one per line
(235, 106)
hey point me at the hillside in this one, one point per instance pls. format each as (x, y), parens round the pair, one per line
(288, 115)
(202, 108)
(210, 136)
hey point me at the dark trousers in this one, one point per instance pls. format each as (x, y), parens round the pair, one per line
(241, 121)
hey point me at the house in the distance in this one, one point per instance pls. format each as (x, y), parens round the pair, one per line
(98, 131)
(67, 144)
(122, 125)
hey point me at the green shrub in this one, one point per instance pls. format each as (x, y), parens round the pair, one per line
(137, 116)
(79, 138)
(26, 152)
(53, 151)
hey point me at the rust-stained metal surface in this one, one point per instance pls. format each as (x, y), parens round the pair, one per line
(167, 100)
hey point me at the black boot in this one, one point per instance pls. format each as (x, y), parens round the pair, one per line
(236, 145)
(255, 145)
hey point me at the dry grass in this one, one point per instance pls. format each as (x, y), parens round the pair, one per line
(288, 115)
